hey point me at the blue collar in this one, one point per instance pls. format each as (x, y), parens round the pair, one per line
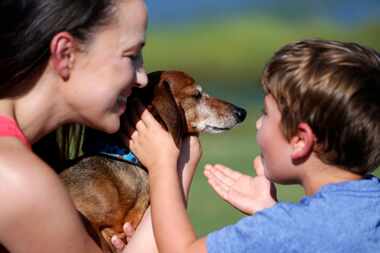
(118, 152)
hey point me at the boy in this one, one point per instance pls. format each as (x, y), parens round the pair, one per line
(320, 128)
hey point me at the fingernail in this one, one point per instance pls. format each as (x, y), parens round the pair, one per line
(117, 242)
(128, 227)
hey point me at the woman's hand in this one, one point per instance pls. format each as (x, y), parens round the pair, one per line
(117, 242)
(246, 193)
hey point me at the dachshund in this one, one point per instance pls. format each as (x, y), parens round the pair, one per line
(108, 191)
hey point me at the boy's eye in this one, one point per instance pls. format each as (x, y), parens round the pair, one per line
(263, 111)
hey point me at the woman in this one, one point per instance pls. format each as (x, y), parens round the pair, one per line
(60, 62)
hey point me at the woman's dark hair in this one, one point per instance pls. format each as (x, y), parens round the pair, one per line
(28, 26)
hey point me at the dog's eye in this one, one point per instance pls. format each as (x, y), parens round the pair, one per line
(197, 95)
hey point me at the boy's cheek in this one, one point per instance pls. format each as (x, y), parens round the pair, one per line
(259, 139)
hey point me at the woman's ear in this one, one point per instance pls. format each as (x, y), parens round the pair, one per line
(302, 143)
(62, 49)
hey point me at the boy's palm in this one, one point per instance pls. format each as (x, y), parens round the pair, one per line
(246, 193)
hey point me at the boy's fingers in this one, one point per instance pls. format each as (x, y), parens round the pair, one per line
(222, 177)
(214, 180)
(218, 188)
(258, 166)
(228, 172)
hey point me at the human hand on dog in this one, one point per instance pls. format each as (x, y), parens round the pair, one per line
(118, 242)
(153, 145)
(247, 194)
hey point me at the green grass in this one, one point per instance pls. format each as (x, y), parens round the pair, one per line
(237, 49)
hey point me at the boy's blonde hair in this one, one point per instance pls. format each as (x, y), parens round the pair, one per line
(335, 88)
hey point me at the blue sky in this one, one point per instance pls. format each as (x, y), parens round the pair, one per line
(188, 11)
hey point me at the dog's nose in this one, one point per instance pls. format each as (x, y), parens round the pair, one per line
(240, 114)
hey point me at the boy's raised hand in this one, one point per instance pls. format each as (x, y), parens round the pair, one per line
(246, 193)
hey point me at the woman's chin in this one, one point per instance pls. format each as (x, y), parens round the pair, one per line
(113, 128)
(110, 125)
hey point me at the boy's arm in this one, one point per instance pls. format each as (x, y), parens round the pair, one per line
(156, 149)
(247, 194)
(142, 240)
(172, 227)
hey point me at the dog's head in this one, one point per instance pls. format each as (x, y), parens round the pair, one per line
(182, 107)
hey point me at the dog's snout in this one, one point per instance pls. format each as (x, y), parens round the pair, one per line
(240, 114)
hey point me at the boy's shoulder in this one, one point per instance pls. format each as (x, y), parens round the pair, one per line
(350, 210)
(334, 201)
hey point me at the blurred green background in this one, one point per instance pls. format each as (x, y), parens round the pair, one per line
(225, 50)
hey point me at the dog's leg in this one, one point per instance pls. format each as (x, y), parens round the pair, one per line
(135, 215)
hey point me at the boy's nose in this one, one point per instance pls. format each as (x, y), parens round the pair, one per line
(258, 123)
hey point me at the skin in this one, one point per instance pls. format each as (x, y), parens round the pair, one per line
(297, 163)
(36, 205)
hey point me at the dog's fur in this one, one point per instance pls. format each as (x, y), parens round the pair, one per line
(109, 192)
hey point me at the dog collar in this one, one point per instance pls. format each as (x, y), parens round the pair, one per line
(118, 152)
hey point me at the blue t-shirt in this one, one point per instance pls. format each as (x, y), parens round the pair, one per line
(343, 217)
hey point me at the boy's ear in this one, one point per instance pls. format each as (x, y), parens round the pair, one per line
(302, 143)
(62, 50)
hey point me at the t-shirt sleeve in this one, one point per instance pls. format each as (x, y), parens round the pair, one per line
(271, 230)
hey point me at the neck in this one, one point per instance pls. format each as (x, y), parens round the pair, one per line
(36, 111)
(321, 174)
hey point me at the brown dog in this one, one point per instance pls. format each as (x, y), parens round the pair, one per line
(109, 192)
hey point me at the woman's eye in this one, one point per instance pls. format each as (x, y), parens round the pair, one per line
(134, 57)
(263, 112)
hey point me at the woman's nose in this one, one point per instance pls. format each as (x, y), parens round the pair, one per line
(141, 78)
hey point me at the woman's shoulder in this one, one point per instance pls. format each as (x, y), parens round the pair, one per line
(33, 197)
(18, 161)
(23, 176)
(31, 193)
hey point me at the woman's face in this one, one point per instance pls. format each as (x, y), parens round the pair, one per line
(108, 68)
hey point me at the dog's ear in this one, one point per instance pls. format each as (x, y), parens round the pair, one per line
(168, 111)
(158, 98)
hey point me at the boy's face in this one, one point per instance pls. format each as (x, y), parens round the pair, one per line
(275, 148)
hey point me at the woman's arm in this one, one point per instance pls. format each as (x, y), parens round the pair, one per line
(37, 214)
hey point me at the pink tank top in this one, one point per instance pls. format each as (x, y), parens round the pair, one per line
(9, 127)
